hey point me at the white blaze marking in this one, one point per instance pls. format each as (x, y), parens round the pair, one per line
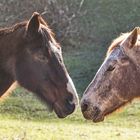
(71, 89)
(53, 47)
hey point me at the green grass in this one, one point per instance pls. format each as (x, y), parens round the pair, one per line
(23, 117)
(62, 130)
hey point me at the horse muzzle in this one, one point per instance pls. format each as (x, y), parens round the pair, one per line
(91, 112)
(63, 112)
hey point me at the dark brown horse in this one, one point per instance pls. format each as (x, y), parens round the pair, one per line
(30, 55)
(117, 81)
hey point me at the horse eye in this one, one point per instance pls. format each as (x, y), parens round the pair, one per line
(110, 68)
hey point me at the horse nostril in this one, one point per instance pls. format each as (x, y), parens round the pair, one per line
(84, 106)
(70, 107)
(95, 108)
(96, 111)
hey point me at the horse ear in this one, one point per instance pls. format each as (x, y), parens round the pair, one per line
(33, 24)
(131, 39)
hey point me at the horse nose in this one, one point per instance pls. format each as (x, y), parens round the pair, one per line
(85, 106)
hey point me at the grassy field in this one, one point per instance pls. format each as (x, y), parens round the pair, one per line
(23, 117)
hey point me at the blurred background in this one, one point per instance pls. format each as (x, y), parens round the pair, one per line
(85, 29)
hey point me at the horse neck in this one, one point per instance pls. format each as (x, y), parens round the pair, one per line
(8, 49)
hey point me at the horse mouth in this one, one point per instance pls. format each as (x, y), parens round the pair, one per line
(91, 112)
(60, 115)
(63, 112)
(97, 115)
(94, 116)
(99, 118)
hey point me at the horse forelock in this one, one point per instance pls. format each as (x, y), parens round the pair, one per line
(48, 32)
(116, 42)
(48, 36)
